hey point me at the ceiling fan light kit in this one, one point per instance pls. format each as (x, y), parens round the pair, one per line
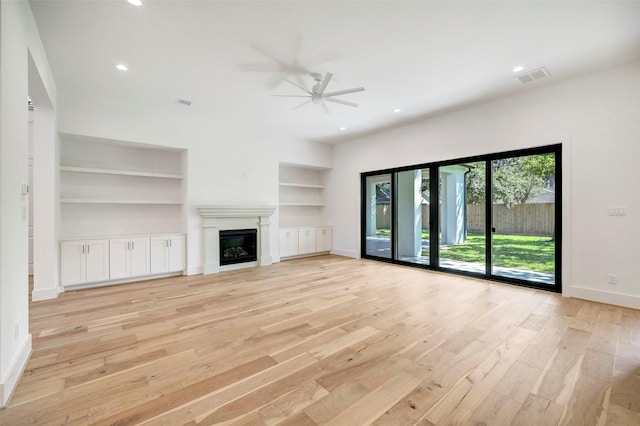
(317, 94)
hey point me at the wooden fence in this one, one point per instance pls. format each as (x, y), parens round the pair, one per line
(523, 219)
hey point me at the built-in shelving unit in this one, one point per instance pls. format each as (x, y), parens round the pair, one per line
(303, 204)
(118, 172)
(301, 193)
(110, 187)
(303, 227)
(301, 185)
(110, 201)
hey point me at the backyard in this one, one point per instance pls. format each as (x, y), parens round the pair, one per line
(525, 252)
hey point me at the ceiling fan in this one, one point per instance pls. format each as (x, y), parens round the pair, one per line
(317, 95)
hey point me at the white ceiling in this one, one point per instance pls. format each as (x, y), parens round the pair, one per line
(228, 58)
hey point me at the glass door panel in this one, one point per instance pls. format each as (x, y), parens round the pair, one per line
(462, 238)
(523, 218)
(412, 223)
(378, 215)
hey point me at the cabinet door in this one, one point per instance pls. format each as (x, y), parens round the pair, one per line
(307, 240)
(159, 256)
(323, 239)
(97, 256)
(119, 258)
(140, 258)
(176, 253)
(289, 242)
(73, 263)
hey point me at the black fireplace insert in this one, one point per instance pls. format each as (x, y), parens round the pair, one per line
(238, 246)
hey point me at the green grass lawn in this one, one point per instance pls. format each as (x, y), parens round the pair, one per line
(527, 252)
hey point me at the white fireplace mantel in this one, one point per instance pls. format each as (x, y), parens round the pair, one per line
(219, 218)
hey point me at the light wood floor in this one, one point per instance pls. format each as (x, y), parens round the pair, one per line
(328, 340)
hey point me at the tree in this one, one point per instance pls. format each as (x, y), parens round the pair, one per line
(515, 179)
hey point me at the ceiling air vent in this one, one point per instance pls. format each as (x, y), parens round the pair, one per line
(530, 76)
(183, 102)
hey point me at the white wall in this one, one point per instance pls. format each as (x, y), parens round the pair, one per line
(597, 119)
(18, 37)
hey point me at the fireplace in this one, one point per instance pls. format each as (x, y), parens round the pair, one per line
(238, 246)
(218, 219)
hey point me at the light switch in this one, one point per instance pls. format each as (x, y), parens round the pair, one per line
(617, 211)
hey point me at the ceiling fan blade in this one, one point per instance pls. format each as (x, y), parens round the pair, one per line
(324, 107)
(324, 83)
(344, 92)
(340, 101)
(292, 96)
(302, 104)
(299, 86)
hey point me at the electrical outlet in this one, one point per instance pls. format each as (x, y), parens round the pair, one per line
(612, 279)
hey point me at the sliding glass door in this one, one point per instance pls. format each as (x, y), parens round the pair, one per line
(412, 223)
(494, 216)
(378, 212)
(462, 217)
(523, 220)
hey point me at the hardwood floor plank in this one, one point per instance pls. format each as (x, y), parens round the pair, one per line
(327, 340)
(186, 394)
(376, 402)
(588, 404)
(539, 411)
(336, 401)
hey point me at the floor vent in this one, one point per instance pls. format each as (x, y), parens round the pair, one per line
(183, 102)
(534, 75)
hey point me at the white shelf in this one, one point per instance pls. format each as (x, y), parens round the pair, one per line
(301, 195)
(303, 204)
(105, 201)
(119, 172)
(301, 185)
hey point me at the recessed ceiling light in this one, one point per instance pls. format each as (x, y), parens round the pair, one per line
(135, 2)
(342, 129)
(518, 68)
(122, 67)
(397, 110)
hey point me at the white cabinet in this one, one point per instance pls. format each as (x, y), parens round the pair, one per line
(324, 241)
(167, 254)
(84, 261)
(120, 259)
(129, 257)
(288, 242)
(306, 240)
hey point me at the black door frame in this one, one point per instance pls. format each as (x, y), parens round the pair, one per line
(434, 225)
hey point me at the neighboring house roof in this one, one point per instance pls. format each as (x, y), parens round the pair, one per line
(547, 196)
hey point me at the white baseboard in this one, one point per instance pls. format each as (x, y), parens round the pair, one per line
(610, 297)
(194, 270)
(122, 281)
(44, 294)
(346, 253)
(19, 363)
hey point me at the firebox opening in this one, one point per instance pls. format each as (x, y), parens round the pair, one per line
(238, 246)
